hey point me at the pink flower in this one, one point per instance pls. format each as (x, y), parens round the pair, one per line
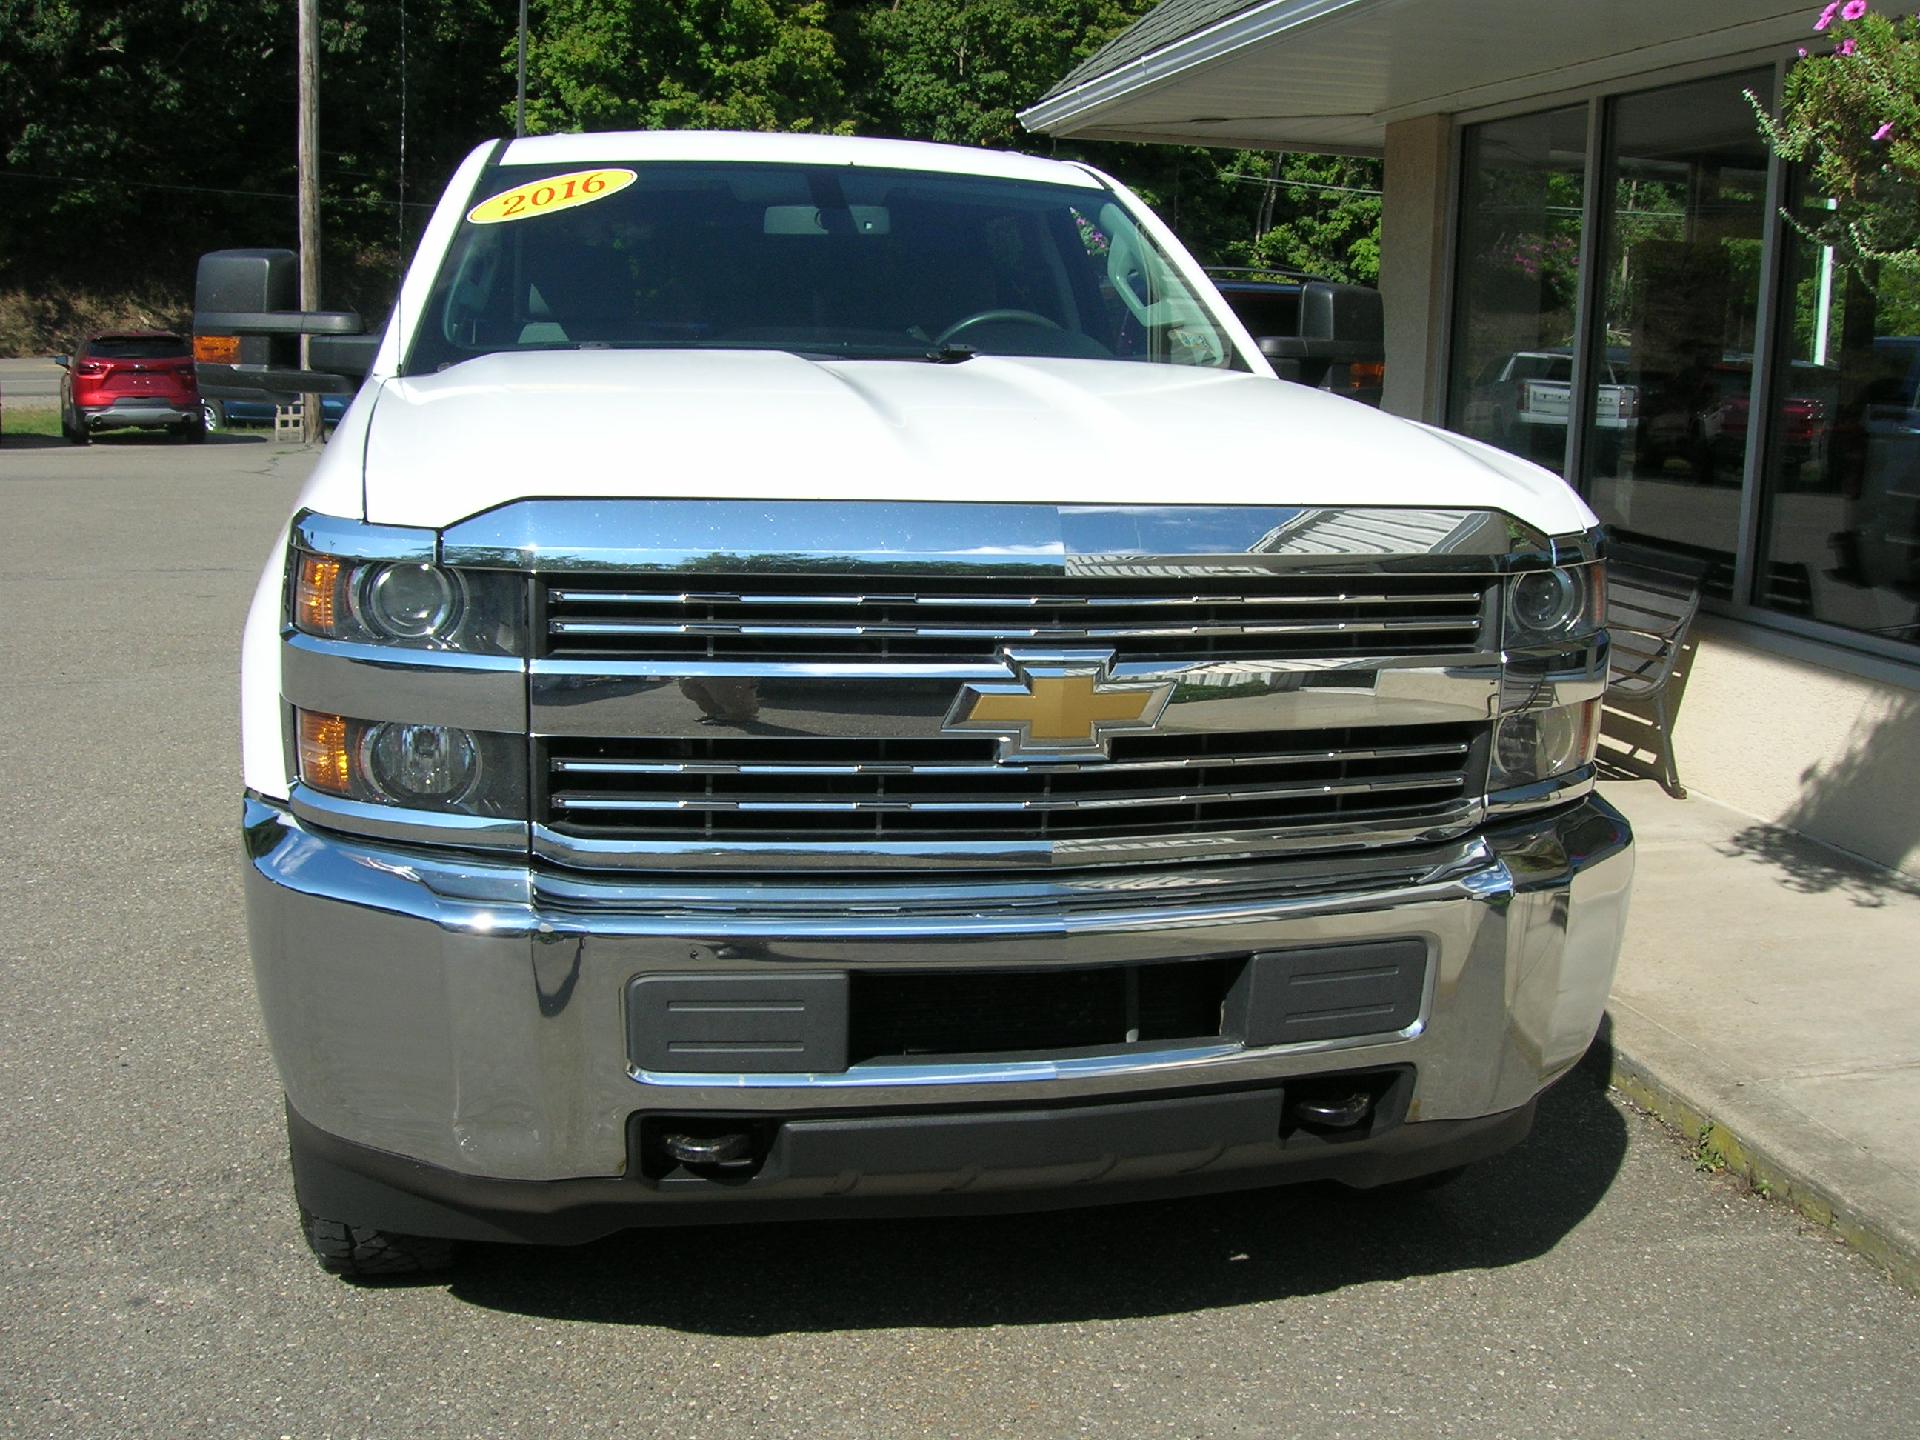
(1853, 9)
(1847, 47)
(1885, 132)
(1803, 52)
(1826, 16)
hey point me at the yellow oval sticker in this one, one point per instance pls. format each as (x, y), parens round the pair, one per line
(555, 192)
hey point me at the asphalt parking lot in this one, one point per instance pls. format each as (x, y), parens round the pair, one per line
(1591, 1283)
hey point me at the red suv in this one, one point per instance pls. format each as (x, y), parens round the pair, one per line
(133, 378)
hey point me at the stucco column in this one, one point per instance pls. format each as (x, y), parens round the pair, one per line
(1413, 248)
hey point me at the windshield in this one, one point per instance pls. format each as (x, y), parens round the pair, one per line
(821, 260)
(136, 347)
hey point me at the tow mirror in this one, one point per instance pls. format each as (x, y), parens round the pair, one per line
(1339, 324)
(247, 323)
(348, 355)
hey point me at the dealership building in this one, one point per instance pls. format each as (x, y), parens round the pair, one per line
(1583, 260)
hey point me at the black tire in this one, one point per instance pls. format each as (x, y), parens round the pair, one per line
(366, 1253)
(74, 430)
(192, 431)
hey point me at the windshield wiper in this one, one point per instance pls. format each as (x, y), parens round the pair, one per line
(928, 352)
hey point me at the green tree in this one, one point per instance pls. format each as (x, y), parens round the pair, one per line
(1317, 215)
(162, 128)
(958, 70)
(97, 101)
(698, 64)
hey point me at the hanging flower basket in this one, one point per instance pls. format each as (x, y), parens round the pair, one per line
(1852, 112)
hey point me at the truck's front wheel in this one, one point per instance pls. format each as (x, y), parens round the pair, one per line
(358, 1250)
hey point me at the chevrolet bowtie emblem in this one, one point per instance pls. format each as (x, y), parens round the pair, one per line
(1061, 705)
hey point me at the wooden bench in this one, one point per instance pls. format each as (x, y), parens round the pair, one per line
(1652, 598)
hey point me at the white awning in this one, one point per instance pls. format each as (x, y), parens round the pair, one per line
(1331, 75)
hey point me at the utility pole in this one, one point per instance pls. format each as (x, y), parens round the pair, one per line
(1265, 221)
(309, 188)
(520, 95)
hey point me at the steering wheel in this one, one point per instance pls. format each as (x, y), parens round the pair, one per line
(994, 317)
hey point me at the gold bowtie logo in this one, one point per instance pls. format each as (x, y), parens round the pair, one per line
(1061, 705)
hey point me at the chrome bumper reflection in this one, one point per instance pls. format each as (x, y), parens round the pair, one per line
(469, 1013)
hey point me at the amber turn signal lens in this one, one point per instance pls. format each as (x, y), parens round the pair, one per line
(326, 762)
(316, 595)
(217, 349)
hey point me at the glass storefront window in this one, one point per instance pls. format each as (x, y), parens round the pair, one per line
(1680, 289)
(1841, 520)
(1674, 299)
(1518, 282)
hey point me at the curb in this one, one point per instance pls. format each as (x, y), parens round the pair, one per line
(1720, 1147)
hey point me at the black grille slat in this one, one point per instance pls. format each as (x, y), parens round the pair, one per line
(959, 618)
(1159, 784)
(607, 801)
(822, 770)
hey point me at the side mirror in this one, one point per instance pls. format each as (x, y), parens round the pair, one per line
(1337, 322)
(1339, 325)
(348, 355)
(65, 362)
(247, 323)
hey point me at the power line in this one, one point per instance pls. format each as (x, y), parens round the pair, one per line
(201, 189)
(1301, 185)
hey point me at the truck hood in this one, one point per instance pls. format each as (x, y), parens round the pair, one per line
(771, 425)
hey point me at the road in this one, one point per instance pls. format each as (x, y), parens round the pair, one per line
(1591, 1283)
(29, 382)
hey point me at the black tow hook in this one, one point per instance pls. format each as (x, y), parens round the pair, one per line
(1335, 1111)
(725, 1152)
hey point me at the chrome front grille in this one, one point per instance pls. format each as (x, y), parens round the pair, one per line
(806, 789)
(1181, 619)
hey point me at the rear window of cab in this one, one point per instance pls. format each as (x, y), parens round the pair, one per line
(137, 347)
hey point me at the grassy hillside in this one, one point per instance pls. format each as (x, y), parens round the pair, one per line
(53, 318)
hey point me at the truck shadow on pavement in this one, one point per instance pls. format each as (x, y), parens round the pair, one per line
(1110, 1262)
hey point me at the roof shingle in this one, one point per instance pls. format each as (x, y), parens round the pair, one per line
(1166, 23)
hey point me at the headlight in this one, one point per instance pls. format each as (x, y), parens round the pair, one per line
(1540, 744)
(406, 603)
(1545, 605)
(421, 764)
(419, 767)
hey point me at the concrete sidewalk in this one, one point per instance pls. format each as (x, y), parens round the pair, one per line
(1768, 1004)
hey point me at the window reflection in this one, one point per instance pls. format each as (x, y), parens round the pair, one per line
(1680, 298)
(1675, 296)
(1519, 281)
(1842, 483)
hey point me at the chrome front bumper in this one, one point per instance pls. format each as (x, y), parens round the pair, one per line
(468, 1014)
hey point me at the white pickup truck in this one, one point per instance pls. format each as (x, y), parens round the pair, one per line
(823, 677)
(1524, 407)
